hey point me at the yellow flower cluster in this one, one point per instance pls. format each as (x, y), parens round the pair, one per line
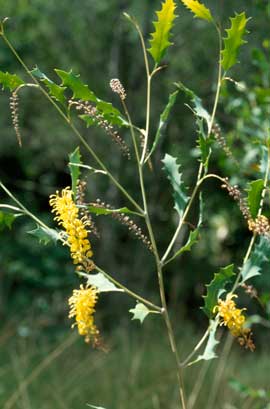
(231, 316)
(82, 307)
(67, 215)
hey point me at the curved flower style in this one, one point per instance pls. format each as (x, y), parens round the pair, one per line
(82, 307)
(233, 318)
(67, 215)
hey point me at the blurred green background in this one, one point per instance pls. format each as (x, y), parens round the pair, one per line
(94, 39)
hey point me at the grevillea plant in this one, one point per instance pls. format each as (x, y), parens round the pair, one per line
(74, 215)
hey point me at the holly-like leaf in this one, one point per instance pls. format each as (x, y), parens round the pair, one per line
(79, 89)
(192, 239)
(163, 122)
(6, 220)
(197, 105)
(259, 256)
(175, 177)
(160, 40)
(216, 287)
(204, 144)
(45, 235)
(75, 158)
(104, 211)
(255, 189)
(198, 9)
(101, 283)
(233, 40)
(10, 81)
(209, 352)
(56, 91)
(140, 312)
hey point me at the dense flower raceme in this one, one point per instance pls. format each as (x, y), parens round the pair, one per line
(82, 307)
(67, 216)
(234, 319)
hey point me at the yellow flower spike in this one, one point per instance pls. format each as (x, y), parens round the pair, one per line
(82, 307)
(67, 216)
(233, 318)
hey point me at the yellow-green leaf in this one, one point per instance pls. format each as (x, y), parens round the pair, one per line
(198, 9)
(233, 40)
(160, 40)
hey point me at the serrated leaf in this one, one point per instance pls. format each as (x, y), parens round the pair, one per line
(79, 89)
(259, 256)
(163, 122)
(192, 239)
(161, 36)
(75, 157)
(110, 113)
(56, 91)
(214, 289)
(204, 144)
(198, 9)
(6, 220)
(175, 177)
(209, 352)
(45, 236)
(104, 211)
(10, 81)
(198, 107)
(233, 40)
(254, 190)
(102, 283)
(140, 312)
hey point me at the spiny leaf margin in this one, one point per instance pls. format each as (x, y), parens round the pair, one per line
(160, 37)
(198, 9)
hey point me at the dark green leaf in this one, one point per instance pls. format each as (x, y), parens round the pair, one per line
(10, 81)
(216, 287)
(75, 157)
(198, 108)
(233, 40)
(79, 89)
(255, 189)
(204, 145)
(45, 236)
(110, 113)
(163, 26)
(6, 220)
(104, 211)
(140, 312)
(163, 121)
(175, 177)
(56, 91)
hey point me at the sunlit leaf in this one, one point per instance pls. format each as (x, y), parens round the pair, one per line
(192, 239)
(6, 220)
(10, 81)
(56, 91)
(101, 283)
(94, 407)
(233, 40)
(255, 189)
(75, 158)
(175, 177)
(259, 256)
(160, 40)
(163, 121)
(216, 287)
(140, 312)
(45, 236)
(209, 352)
(198, 9)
